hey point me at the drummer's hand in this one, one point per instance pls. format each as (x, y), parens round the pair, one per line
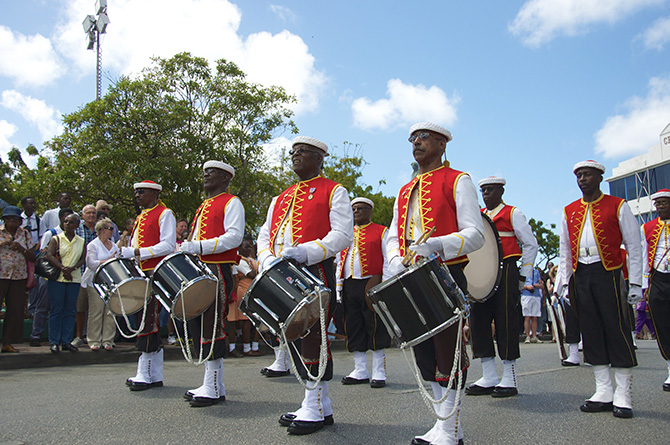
(190, 247)
(426, 249)
(127, 252)
(297, 253)
(635, 294)
(395, 266)
(338, 295)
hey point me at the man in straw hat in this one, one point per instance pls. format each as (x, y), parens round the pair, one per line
(656, 248)
(445, 199)
(153, 237)
(502, 306)
(216, 232)
(310, 222)
(592, 230)
(360, 267)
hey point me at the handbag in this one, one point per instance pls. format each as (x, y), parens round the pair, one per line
(43, 267)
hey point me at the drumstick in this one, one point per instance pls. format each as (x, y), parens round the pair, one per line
(295, 243)
(422, 239)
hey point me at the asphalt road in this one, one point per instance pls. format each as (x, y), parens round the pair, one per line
(90, 404)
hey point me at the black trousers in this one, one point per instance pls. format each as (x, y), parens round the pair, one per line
(601, 305)
(363, 328)
(659, 308)
(309, 347)
(502, 307)
(571, 324)
(200, 328)
(435, 356)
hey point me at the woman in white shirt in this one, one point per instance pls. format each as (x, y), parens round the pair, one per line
(101, 327)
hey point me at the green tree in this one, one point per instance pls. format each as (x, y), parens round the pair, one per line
(548, 242)
(162, 126)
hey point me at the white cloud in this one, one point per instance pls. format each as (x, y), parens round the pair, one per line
(405, 104)
(635, 131)
(284, 13)
(35, 111)
(275, 149)
(7, 130)
(28, 60)
(657, 35)
(540, 21)
(206, 28)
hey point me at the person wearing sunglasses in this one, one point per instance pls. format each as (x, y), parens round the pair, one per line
(443, 199)
(153, 237)
(309, 223)
(216, 233)
(101, 328)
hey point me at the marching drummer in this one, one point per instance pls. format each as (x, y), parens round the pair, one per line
(360, 267)
(216, 233)
(309, 223)
(153, 237)
(445, 199)
(502, 306)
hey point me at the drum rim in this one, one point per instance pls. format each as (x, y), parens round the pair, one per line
(119, 259)
(316, 293)
(181, 293)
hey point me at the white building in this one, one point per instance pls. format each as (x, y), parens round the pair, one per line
(637, 178)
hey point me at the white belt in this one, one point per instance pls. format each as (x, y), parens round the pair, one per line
(588, 252)
(663, 268)
(506, 234)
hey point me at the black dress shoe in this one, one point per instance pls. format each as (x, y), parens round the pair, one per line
(377, 383)
(623, 413)
(417, 441)
(287, 419)
(272, 373)
(301, 427)
(666, 387)
(35, 342)
(596, 407)
(352, 381)
(197, 401)
(476, 390)
(54, 348)
(141, 386)
(69, 347)
(502, 391)
(567, 363)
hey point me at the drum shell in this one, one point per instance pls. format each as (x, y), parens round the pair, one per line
(121, 277)
(285, 298)
(182, 279)
(485, 265)
(418, 303)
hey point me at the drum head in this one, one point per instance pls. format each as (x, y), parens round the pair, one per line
(132, 291)
(484, 269)
(197, 296)
(306, 314)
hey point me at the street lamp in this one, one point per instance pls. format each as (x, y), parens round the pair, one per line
(93, 28)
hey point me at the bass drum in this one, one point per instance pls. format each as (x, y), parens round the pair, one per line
(484, 268)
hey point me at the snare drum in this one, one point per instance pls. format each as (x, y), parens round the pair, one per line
(184, 285)
(286, 299)
(121, 281)
(419, 303)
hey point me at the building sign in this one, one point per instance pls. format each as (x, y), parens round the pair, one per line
(665, 139)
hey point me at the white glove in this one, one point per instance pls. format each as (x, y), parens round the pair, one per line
(190, 247)
(554, 300)
(432, 245)
(127, 252)
(564, 293)
(396, 267)
(338, 295)
(635, 294)
(297, 253)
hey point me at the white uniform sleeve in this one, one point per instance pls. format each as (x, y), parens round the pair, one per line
(645, 262)
(470, 235)
(168, 237)
(529, 246)
(341, 233)
(263, 241)
(233, 224)
(630, 231)
(565, 260)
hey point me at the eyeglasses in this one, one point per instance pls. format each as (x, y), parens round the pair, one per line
(360, 208)
(422, 135)
(140, 191)
(300, 151)
(108, 228)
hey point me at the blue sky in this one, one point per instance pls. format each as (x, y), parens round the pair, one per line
(527, 88)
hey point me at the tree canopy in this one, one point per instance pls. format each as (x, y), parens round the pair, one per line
(548, 242)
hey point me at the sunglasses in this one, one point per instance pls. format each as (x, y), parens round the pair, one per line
(414, 137)
(301, 151)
